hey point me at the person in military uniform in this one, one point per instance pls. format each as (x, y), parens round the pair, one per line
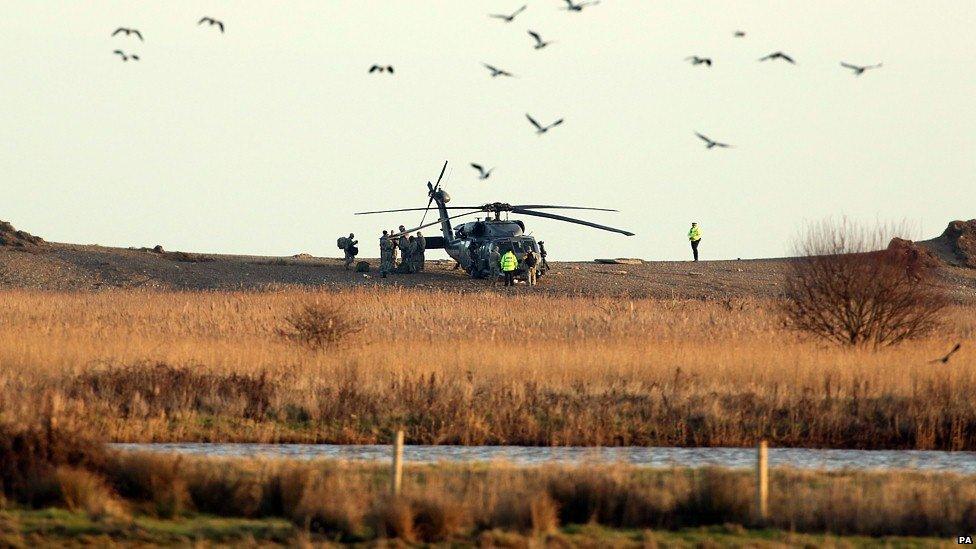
(349, 250)
(421, 247)
(412, 254)
(495, 264)
(531, 266)
(403, 244)
(542, 254)
(387, 259)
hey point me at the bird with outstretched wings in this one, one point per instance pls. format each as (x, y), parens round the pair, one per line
(711, 143)
(570, 6)
(212, 22)
(128, 32)
(495, 71)
(539, 42)
(858, 69)
(482, 174)
(778, 55)
(508, 18)
(539, 128)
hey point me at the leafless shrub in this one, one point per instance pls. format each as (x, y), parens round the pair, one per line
(847, 287)
(319, 325)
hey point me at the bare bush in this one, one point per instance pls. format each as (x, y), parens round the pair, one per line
(319, 325)
(849, 288)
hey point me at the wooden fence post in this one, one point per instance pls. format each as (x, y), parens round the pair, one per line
(762, 483)
(397, 472)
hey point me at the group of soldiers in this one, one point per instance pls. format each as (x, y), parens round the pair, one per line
(401, 253)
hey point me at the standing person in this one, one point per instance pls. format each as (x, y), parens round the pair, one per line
(694, 235)
(508, 264)
(421, 247)
(393, 245)
(412, 254)
(495, 264)
(542, 254)
(349, 249)
(404, 246)
(531, 264)
(387, 261)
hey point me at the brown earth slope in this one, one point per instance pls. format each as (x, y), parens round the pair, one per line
(54, 266)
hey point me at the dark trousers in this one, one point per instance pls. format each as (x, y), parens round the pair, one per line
(509, 278)
(694, 248)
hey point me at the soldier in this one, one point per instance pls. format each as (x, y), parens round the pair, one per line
(494, 264)
(542, 254)
(413, 252)
(421, 247)
(404, 245)
(395, 255)
(531, 264)
(349, 249)
(386, 255)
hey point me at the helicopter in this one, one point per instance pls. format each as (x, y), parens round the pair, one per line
(471, 244)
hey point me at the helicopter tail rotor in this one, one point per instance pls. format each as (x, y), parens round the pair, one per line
(432, 190)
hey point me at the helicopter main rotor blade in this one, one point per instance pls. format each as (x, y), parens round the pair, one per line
(417, 210)
(550, 207)
(571, 220)
(431, 224)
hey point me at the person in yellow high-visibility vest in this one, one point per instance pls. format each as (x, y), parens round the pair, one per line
(509, 263)
(694, 236)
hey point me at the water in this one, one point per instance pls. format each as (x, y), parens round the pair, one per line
(800, 458)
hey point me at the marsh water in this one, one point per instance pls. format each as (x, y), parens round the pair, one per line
(800, 458)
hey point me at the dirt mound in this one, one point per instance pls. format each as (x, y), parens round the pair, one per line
(9, 236)
(961, 238)
(915, 256)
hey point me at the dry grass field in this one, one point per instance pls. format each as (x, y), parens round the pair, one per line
(473, 368)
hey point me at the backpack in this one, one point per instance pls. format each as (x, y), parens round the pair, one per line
(342, 242)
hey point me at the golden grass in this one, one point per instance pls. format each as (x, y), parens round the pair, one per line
(473, 369)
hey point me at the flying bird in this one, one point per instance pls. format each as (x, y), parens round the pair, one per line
(778, 55)
(128, 31)
(858, 70)
(508, 18)
(710, 144)
(126, 57)
(482, 174)
(539, 42)
(695, 60)
(948, 355)
(539, 128)
(739, 34)
(379, 68)
(211, 21)
(495, 71)
(570, 6)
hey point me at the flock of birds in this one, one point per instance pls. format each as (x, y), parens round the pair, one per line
(540, 43)
(210, 21)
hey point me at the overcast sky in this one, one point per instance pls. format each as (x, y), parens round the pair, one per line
(266, 139)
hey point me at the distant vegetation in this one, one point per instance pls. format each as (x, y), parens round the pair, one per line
(472, 368)
(349, 501)
(849, 286)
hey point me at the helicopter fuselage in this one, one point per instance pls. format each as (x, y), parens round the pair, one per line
(473, 242)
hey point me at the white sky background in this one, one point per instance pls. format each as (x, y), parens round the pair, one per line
(266, 139)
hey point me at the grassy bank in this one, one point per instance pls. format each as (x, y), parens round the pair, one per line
(117, 494)
(473, 369)
(56, 527)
